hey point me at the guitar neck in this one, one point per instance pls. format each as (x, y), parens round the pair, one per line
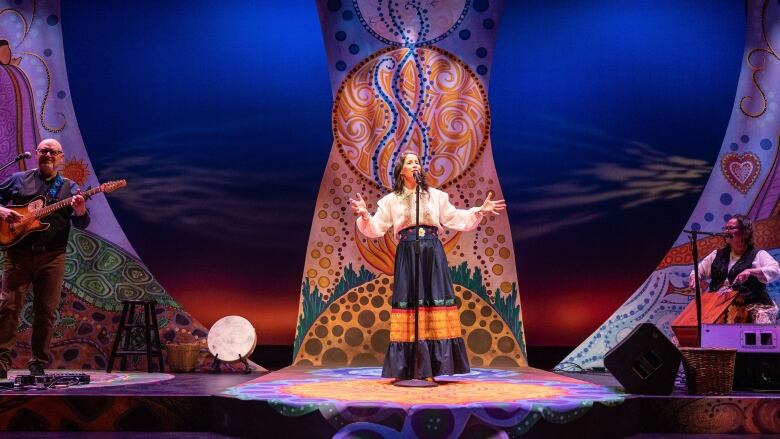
(51, 208)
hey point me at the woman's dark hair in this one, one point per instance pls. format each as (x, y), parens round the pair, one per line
(398, 180)
(746, 226)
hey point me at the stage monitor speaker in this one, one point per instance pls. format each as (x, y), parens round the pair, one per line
(757, 371)
(645, 362)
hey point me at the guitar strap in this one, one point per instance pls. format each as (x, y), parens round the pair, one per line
(54, 189)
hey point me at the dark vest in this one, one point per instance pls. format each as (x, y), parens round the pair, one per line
(753, 290)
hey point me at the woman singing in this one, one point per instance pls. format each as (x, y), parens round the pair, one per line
(441, 350)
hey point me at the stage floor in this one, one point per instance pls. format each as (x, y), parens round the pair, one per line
(522, 402)
(118, 401)
(357, 402)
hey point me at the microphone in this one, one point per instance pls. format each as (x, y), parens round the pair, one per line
(417, 177)
(699, 232)
(22, 156)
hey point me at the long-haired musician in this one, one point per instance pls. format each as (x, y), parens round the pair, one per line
(742, 267)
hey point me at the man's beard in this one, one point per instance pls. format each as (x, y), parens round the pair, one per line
(47, 166)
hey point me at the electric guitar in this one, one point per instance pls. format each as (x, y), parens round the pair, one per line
(35, 209)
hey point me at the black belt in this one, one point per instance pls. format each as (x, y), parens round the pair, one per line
(424, 232)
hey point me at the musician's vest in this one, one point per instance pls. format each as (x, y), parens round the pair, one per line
(753, 290)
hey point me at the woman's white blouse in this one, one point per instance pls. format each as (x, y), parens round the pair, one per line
(398, 212)
(763, 261)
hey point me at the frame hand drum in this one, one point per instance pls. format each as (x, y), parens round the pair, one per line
(231, 339)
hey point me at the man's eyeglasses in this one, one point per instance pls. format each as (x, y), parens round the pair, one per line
(51, 152)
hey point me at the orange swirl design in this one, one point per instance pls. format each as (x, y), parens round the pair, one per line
(454, 114)
(380, 253)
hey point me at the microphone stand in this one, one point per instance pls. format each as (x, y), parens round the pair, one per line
(693, 239)
(12, 162)
(415, 381)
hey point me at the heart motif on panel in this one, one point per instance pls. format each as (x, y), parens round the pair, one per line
(741, 171)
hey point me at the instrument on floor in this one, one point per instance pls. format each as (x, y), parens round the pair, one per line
(33, 211)
(232, 339)
(51, 380)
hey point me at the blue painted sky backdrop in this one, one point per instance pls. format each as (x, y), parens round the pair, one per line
(606, 119)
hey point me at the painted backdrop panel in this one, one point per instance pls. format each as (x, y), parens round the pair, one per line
(406, 78)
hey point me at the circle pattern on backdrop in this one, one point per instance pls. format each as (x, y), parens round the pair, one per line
(353, 330)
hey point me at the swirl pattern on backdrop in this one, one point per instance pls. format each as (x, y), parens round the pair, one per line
(411, 22)
(373, 121)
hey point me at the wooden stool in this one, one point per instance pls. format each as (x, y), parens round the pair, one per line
(123, 334)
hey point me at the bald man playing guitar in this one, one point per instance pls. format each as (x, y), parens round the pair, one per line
(38, 258)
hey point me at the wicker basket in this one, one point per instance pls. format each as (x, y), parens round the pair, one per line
(709, 371)
(183, 357)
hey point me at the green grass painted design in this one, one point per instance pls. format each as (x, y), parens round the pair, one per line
(504, 304)
(313, 305)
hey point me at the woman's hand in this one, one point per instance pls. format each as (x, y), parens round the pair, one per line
(745, 274)
(491, 206)
(702, 284)
(359, 206)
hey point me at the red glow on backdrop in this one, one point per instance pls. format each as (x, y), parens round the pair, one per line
(552, 316)
(562, 318)
(272, 310)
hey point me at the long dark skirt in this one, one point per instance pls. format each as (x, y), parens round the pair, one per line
(441, 350)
